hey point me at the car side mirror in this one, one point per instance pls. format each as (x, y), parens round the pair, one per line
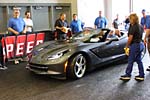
(111, 40)
(115, 39)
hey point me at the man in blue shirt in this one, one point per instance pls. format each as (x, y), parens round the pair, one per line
(16, 24)
(145, 22)
(76, 25)
(100, 22)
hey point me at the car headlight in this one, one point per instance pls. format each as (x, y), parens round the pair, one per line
(58, 54)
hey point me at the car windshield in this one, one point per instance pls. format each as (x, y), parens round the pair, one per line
(86, 34)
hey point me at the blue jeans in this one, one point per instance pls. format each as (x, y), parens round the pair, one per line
(135, 56)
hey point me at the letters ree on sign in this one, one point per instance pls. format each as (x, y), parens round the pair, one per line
(21, 45)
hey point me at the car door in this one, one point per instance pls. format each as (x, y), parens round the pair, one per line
(109, 49)
(103, 50)
(118, 46)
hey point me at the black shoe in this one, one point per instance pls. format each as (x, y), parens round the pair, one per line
(148, 69)
(125, 77)
(139, 78)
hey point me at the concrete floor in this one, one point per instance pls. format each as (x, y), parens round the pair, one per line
(17, 83)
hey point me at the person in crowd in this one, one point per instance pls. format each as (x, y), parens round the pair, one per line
(143, 19)
(28, 21)
(116, 22)
(100, 21)
(62, 27)
(2, 64)
(76, 25)
(145, 22)
(16, 24)
(114, 33)
(134, 48)
(126, 23)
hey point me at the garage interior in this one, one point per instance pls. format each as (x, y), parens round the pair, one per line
(16, 83)
(50, 10)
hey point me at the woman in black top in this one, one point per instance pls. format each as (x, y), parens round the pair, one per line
(135, 47)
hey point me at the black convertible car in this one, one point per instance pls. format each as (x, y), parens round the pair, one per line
(72, 58)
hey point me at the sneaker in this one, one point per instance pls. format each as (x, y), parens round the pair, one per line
(125, 77)
(3, 68)
(139, 78)
(16, 62)
(148, 69)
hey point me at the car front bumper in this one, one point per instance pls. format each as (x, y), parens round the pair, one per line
(57, 70)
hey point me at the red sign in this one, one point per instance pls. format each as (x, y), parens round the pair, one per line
(20, 45)
(10, 41)
(16, 46)
(40, 38)
(30, 43)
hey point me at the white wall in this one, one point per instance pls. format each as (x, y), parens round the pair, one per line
(122, 10)
(88, 10)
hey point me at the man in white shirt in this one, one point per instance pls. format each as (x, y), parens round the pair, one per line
(28, 21)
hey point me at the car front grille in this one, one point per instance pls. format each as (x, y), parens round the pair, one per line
(38, 67)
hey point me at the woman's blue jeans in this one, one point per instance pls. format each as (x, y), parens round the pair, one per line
(135, 56)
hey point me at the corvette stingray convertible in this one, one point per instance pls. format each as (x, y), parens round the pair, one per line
(72, 58)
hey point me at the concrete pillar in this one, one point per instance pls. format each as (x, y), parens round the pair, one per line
(130, 6)
(52, 17)
(74, 8)
(108, 11)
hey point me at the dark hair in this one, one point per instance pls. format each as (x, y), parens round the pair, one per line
(27, 12)
(74, 14)
(143, 10)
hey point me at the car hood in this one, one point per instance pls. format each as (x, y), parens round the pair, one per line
(58, 45)
(42, 52)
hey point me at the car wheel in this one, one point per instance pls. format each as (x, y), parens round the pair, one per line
(77, 67)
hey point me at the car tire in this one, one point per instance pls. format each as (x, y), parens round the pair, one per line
(77, 67)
